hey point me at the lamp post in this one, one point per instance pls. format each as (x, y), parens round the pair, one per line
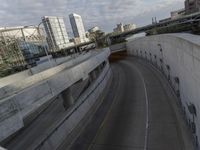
(45, 48)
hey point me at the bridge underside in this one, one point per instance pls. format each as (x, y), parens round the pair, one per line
(139, 113)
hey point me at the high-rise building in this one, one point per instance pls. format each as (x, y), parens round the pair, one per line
(19, 45)
(78, 27)
(122, 28)
(56, 33)
(119, 28)
(178, 13)
(192, 6)
(94, 29)
(129, 27)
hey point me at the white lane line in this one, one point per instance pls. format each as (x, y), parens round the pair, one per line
(147, 108)
(147, 114)
(147, 111)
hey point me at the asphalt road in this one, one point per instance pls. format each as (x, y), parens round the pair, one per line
(141, 115)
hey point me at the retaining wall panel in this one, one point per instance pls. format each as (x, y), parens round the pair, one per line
(182, 53)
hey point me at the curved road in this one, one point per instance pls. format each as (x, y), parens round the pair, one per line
(139, 113)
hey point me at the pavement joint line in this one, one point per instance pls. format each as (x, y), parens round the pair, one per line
(93, 141)
(117, 146)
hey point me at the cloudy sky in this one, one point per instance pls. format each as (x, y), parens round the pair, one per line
(103, 13)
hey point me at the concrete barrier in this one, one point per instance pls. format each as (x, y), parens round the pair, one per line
(15, 87)
(36, 90)
(178, 57)
(15, 77)
(40, 68)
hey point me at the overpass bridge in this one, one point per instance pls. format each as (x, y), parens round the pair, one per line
(145, 99)
(188, 23)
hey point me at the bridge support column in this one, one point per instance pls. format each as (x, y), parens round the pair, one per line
(93, 75)
(100, 68)
(68, 100)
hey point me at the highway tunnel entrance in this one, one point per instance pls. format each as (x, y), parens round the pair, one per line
(118, 56)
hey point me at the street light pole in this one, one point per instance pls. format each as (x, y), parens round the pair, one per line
(43, 42)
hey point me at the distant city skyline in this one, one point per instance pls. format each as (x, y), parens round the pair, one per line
(105, 13)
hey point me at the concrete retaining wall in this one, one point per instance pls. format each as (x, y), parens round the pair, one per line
(36, 90)
(178, 55)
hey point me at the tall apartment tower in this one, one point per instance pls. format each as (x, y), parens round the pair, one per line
(78, 27)
(56, 33)
(192, 6)
(119, 28)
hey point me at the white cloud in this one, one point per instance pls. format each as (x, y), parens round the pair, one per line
(105, 13)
